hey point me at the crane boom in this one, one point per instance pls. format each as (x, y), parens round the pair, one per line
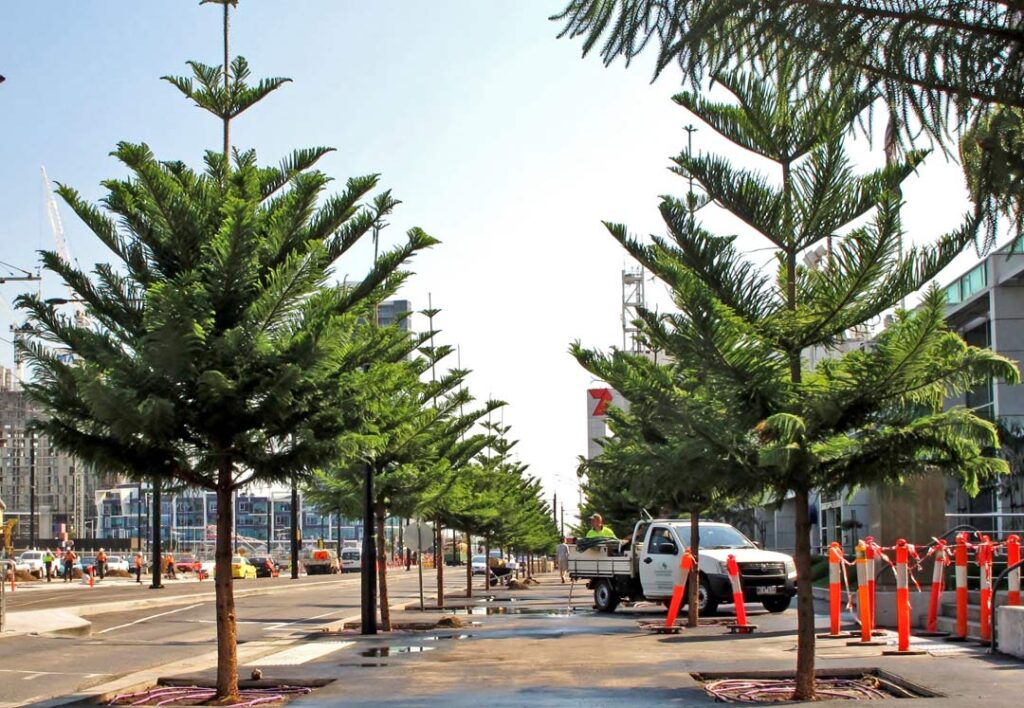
(57, 226)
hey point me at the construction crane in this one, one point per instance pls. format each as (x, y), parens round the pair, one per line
(57, 226)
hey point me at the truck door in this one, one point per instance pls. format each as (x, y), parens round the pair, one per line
(659, 563)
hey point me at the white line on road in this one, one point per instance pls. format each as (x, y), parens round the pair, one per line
(36, 674)
(146, 619)
(302, 654)
(306, 619)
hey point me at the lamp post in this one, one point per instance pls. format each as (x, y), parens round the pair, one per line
(31, 488)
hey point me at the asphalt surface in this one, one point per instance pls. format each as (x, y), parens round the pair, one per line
(36, 667)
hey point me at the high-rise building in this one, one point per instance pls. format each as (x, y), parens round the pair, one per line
(391, 312)
(36, 477)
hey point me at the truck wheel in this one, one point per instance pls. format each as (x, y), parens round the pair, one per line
(605, 598)
(707, 603)
(776, 604)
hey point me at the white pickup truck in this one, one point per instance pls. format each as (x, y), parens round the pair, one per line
(648, 568)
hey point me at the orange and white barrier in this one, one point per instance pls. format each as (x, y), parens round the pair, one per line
(870, 555)
(1012, 558)
(902, 596)
(863, 599)
(737, 590)
(961, 585)
(685, 565)
(984, 558)
(835, 588)
(938, 575)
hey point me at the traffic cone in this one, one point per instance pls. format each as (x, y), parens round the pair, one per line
(741, 625)
(680, 589)
(91, 580)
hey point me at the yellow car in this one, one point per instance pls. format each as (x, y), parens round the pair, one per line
(242, 568)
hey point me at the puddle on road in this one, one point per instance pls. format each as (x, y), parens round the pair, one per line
(389, 651)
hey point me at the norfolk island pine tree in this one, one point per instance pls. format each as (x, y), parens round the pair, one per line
(218, 341)
(869, 416)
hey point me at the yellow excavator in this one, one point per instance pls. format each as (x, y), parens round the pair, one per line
(8, 535)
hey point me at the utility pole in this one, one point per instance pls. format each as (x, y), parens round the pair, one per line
(563, 521)
(554, 508)
(31, 488)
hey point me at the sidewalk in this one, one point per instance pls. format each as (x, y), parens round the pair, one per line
(531, 647)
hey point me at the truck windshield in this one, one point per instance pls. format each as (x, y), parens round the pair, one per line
(712, 537)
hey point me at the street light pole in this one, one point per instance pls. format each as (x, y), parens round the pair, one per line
(31, 489)
(156, 517)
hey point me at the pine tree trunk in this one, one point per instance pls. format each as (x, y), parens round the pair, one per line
(158, 560)
(439, 562)
(487, 564)
(227, 646)
(804, 600)
(693, 581)
(469, 565)
(382, 572)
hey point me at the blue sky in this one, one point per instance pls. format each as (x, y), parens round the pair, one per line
(497, 137)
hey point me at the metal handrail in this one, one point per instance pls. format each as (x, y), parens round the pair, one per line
(995, 590)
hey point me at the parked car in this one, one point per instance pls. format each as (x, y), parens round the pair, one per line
(31, 562)
(188, 563)
(117, 563)
(266, 567)
(351, 560)
(479, 564)
(242, 569)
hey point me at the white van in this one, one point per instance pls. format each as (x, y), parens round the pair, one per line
(351, 560)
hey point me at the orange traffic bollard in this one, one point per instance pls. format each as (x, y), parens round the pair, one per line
(903, 550)
(902, 596)
(1012, 558)
(863, 599)
(737, 594)
(91, 576)
(938, 575)
(984, 558)
(680, 589)
(835, 588)
(870, 556)
(961, 585)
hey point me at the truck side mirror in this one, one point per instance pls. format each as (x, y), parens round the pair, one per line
(667, 549)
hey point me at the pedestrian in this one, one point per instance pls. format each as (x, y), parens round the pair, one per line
(138, 568)
(101, 563)
(69, 565)
(48, 559)
(562, 558)
(170, 567)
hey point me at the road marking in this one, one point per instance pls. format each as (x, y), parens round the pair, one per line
(146, 619)
(281, 625)
(302, 653)
(37, 674)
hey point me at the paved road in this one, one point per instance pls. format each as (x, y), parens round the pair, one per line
(34, 667)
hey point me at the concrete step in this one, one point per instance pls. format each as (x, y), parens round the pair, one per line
(948, 624)
(949, 610)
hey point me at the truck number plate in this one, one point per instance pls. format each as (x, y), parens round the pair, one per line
(767, 590)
